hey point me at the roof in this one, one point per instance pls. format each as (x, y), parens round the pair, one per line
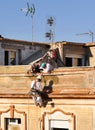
(71, 43)
(23, 42)
(90, 44)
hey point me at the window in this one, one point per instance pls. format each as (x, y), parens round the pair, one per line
(68, 62)
(10, 57)
(59, 125)
(58, 120)
(12, 123)
(73, 62)
(6, 57)
(79, 62)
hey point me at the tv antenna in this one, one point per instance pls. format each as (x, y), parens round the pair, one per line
(50, 34)
(31, 11)
(88, 33)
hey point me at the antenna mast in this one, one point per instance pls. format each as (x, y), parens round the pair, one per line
(31, 11)
(88, 33)
(50, 34)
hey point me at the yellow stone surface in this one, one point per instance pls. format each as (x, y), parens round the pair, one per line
(73, 96)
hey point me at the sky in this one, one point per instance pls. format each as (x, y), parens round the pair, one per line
(72, 18)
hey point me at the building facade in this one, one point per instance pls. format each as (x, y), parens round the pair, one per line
(18, 52)
(69, 106)
(76, 54)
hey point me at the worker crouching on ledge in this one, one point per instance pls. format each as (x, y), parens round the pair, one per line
(36, 90)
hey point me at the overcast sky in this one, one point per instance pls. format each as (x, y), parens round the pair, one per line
(71, 17)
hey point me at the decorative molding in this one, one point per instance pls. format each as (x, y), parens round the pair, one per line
(59, 110)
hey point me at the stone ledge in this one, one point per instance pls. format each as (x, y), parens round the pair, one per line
(22, 69)
(74, 93)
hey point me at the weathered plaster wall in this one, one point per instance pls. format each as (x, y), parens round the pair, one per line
(79, 77)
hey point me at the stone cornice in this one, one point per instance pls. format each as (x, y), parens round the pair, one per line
(53, 95)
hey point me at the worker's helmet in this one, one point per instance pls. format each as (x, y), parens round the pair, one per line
(39, 77)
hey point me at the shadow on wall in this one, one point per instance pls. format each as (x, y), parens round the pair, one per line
(87, 56)
(46, 90)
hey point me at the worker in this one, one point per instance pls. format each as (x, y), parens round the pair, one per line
(36, 90)
(49, 67)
